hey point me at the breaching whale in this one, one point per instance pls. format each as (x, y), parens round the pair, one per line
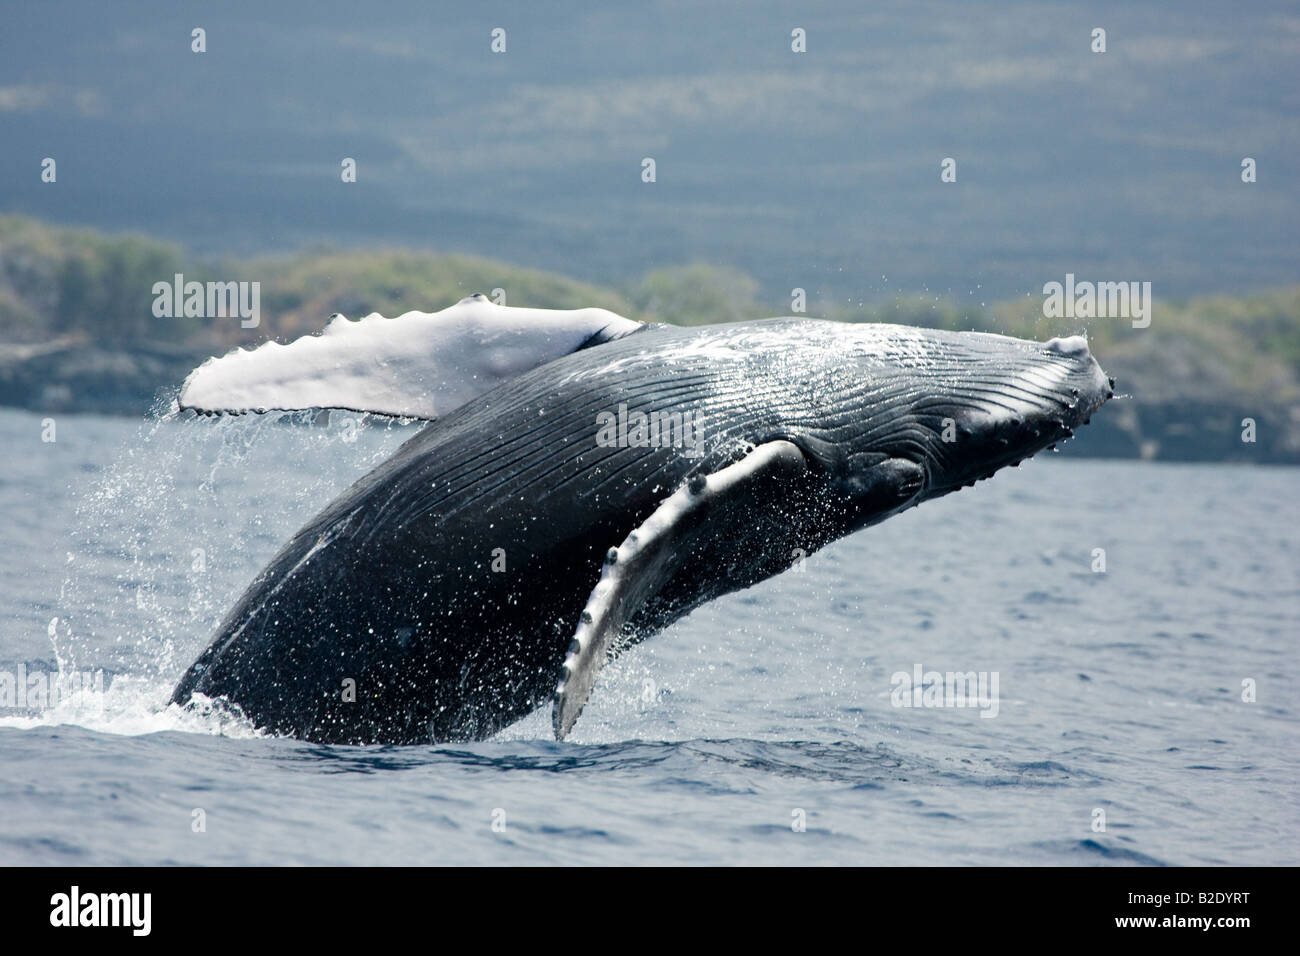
(586, 480)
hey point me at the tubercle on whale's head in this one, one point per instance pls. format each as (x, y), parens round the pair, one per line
(972, 403)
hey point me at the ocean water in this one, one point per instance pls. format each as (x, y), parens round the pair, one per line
(1145, 713)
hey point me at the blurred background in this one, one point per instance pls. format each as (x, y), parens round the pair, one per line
(774, 170)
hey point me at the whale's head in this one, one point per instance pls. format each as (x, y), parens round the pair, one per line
(928, 412)
(1004, 400)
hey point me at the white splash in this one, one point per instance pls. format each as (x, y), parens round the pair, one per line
(132, 706)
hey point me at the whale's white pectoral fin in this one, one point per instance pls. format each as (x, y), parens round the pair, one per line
(418, 365)
(635, 570)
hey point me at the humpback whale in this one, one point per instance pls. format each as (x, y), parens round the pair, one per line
(583, 482)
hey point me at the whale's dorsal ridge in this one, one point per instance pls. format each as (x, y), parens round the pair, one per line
(418, 365)
(648, 556)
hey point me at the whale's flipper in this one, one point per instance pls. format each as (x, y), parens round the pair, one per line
(418, 365)
(636, 569)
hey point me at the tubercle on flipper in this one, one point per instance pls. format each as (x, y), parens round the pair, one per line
(613, 568)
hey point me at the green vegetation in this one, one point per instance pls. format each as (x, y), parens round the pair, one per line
(57, 282)
(60, 282)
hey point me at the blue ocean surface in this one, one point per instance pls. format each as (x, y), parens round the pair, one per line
(1140, 621)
